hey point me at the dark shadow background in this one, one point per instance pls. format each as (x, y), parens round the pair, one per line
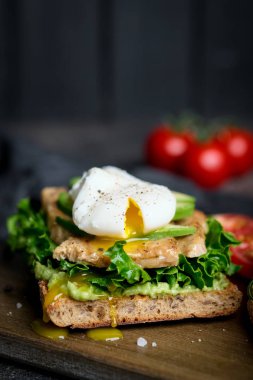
(112, 61)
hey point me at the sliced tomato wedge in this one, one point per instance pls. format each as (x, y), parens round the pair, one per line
(242, 227)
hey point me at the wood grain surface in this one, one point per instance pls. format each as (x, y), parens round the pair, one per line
(192, 349)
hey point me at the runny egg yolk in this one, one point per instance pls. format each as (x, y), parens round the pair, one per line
(133, 220)
(133, 228)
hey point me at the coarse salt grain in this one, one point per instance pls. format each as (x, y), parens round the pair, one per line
(141, 342)
(9, 313)
(19, 305)
(199, 340)
(61, 337)
(154, 344)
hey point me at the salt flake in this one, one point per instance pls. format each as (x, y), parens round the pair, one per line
(141, 342)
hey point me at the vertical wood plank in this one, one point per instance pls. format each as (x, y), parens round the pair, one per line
(59, 59)
(106, 59)
(229, 59)
(151, 57)
(10, 58)
(197, 62)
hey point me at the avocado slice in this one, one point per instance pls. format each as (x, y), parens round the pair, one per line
(185, 198)
(171, 230)
(185, 205)
(183, 210)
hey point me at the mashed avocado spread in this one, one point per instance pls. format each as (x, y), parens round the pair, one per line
(79, 289)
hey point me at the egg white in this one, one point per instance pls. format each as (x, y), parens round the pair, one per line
(103, 196)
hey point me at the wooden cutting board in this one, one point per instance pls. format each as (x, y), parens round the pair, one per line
(192, 349)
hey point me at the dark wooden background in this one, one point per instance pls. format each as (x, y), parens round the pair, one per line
(113, 60)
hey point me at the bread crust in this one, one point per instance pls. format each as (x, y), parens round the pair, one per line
(65, 312)
(49, 196)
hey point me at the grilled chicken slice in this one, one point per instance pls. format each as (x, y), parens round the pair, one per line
(194, 245)
(81, 250)
(148, 254)
(49, 196)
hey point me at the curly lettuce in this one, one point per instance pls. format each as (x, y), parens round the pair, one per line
(28, 232)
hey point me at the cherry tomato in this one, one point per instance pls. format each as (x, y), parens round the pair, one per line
(207, 164)
(166, 148)
(238, 144)
(242, 227)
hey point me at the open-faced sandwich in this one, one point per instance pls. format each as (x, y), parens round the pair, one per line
(116, 250)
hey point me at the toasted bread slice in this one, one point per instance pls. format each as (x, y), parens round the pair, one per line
(49, 196)
(140, 309)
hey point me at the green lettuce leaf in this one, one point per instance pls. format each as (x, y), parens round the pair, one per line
(217, 238)
(124, 265)
(28, 232)
(73, 268)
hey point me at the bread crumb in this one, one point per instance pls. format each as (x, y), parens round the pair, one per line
(193, 341)
(223, 329)
(19, 305)
(9, 313)
(199, 340)
(154, 344)
(61, 337)
(141, 342)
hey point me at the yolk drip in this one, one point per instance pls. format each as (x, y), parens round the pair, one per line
(133, 220)
(133, 227)
(104, 244)
(104, 333)
(48, 330)
(113, 312)
(56, 291)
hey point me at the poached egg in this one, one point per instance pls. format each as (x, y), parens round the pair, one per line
(109, 202)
